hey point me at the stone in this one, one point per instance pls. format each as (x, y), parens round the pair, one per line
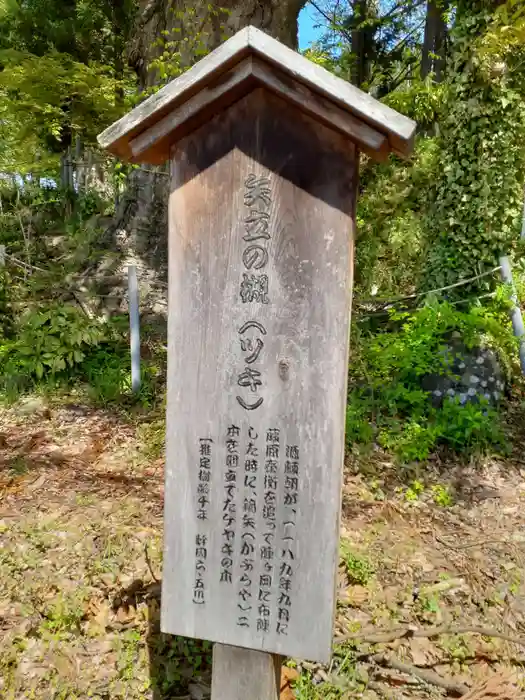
(33, 406)
(466, 375)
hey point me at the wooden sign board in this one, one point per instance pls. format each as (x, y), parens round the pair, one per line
(261, 218)
(263, 150)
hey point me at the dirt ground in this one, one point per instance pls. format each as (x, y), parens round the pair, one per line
(431, 582)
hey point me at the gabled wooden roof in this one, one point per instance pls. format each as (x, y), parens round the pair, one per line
(251, 58)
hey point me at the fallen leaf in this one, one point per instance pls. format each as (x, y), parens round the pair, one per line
(423, 651)
(355, 596)
(288, 676)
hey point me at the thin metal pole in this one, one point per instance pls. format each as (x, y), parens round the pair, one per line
(515, 310)
(134, 326)
(523, 217)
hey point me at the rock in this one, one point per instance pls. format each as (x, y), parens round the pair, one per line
(33, 406)
(468, 375)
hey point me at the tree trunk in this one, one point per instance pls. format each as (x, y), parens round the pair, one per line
(118, 25)
(362, 41)
(143, 210)
(433, 58)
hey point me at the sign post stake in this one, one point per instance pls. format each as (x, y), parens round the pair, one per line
(238, 674)
(264, 150)
(134, 327)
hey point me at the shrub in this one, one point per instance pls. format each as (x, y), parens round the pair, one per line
(60, 344)
(48, 342)
(387, 403)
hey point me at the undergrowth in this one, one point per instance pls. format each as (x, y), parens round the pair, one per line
(388, 404)
(50, 341)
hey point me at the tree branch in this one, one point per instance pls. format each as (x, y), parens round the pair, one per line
(450, 685)
(402, 632)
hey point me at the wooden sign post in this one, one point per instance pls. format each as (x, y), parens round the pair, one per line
(263, 146)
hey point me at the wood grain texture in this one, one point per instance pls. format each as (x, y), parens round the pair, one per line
(242, 674)
(368, 139)
(153, 145)
(398, 129)
(116, 137)
(312, 176)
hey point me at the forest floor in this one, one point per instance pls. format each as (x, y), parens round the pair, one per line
(431, 581)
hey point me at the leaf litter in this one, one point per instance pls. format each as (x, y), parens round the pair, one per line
(423, 589)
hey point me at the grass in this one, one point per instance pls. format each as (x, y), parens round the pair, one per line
(358, 567)
(80, 617)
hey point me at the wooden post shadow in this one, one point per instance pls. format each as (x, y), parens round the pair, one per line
(264, 148)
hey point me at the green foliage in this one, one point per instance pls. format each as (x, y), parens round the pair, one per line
(442, 496)
(107, 374)
(306, 689)
(387, 403)
(440, 493)
(153, 438)
(422, 101)
(186, 42)
(48, 342)
(390, 241)
(358, 568)
(173, 659)
(44, 98)
(65, 613)
(414, 491)
(63, 73)
(475, 206)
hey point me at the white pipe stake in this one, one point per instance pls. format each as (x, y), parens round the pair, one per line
(134, 326)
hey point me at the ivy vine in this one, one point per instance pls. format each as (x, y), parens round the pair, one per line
(475, 204)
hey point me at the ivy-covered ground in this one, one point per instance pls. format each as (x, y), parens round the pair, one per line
(442, 549)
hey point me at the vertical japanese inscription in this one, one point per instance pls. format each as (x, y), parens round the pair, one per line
(229, 508)
(288, 550)
(203, 501)
(248, 536)
(267, 546)
(254, 285)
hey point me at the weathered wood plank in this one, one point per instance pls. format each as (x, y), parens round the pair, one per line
(243, 674)
(117, 136)
(257, 377)
(153, 144)
(371, 141)
(399, 129)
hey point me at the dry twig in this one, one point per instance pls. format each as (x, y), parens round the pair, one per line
(448, 684)
(400, 633)
(470, 545)
(148, 562)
